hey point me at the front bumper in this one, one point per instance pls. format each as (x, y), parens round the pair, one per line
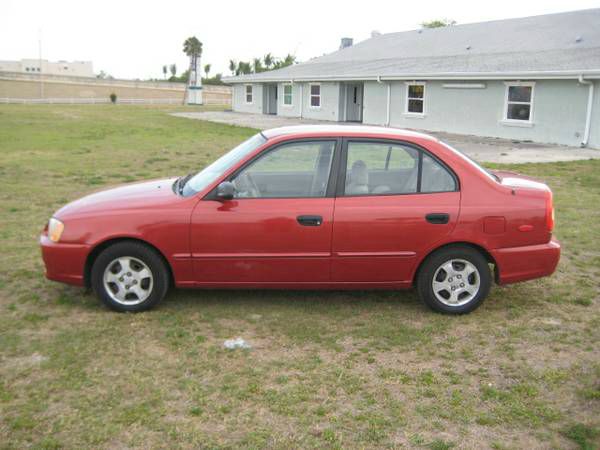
(64, 262)
(526, 263)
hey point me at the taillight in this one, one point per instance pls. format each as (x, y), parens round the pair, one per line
(549, 212)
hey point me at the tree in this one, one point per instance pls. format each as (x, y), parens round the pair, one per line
(173, 69)
(257, 65)
(207, 69)
(438, 23)
(269, 60)
(165, 71)
(233, 66)
(192, 47)
(243, 68)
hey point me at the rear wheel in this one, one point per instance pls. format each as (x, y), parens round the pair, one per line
(130, 276)
(454, 280)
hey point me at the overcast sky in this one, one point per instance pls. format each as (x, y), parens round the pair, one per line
(134, 39)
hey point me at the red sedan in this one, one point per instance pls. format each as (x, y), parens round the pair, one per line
(312, 207)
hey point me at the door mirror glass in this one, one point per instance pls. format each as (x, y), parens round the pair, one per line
(225, 190)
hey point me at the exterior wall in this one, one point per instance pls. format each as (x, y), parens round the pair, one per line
(292, 110)
(595, 128)
(239, 98)
(329, 109)
(330, 102)
(559, 110)
(70, 68)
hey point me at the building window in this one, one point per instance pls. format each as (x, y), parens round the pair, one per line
(519, 102)
(248, 93)
(287, 94)
(415, 98)
(315, 95)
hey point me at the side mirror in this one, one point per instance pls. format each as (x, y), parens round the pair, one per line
(225, 190)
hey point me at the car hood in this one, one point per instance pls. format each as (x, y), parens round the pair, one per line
(131, 196)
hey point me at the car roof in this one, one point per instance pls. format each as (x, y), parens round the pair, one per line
(344, 130)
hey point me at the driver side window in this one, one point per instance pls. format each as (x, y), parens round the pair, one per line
(294, 170)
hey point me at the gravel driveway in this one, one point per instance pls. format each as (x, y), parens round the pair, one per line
(479, 148)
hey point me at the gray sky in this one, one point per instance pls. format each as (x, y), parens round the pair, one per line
(133, 39)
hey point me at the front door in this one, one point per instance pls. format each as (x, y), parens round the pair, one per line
(278, 227)
(396, 201)
(354, 100)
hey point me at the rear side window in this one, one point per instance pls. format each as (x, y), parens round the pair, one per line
(435, 177)
(379, 168)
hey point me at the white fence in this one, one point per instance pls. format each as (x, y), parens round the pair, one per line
(93, 101)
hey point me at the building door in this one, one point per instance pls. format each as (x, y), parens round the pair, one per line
(271, 98)
(354, 102)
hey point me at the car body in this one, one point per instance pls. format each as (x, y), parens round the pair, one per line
(315, 207)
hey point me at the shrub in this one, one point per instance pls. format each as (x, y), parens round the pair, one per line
(113, 98)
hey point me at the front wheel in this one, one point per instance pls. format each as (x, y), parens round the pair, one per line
(454, 280)
(130, 276)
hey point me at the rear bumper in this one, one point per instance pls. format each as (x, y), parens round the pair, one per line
(526, 263)
(64, 262)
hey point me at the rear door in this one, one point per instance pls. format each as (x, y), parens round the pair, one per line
(278, 227)
(394, 201)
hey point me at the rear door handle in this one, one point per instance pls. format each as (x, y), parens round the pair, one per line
(437, 218)
(310, 221)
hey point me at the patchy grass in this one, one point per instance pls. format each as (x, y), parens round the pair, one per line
(327, 369)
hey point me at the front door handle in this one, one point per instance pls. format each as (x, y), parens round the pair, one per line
(310, 221)
(437, 218)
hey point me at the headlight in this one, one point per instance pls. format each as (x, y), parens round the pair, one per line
(55, 229)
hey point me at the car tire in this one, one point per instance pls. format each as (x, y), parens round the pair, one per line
(130, 277)
(454, 280)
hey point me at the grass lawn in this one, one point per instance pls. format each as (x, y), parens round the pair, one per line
(327, 369)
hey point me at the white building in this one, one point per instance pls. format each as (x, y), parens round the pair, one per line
(531, 78)
(69, 68)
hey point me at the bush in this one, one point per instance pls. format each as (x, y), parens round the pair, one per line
(113, 98)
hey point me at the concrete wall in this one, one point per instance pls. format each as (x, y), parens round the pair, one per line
(559, 110)
(330, 99)
(239, 99)
(16, 87)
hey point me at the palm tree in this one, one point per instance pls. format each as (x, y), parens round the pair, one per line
(257, 65)
(269, 60)
(288, 60)
(165, 71)
(192, 47)
(243, 68)
(207, 69)
(232, 66)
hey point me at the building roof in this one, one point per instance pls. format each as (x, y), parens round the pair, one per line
(548, 46)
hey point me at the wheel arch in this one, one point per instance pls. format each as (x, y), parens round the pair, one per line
(486, 254)
(93, 254)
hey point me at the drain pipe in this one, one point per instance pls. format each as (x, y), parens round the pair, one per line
(389, 99)
(301, 98)
(588, 117)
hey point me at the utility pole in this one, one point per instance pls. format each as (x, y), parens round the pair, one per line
(40, 65)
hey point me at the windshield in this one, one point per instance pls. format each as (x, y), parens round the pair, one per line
(472, 162)
(210, 173)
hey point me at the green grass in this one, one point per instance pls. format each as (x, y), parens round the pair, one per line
(327, 369)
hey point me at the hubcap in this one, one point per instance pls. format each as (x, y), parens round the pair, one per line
(456, 282)
(128, 280)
